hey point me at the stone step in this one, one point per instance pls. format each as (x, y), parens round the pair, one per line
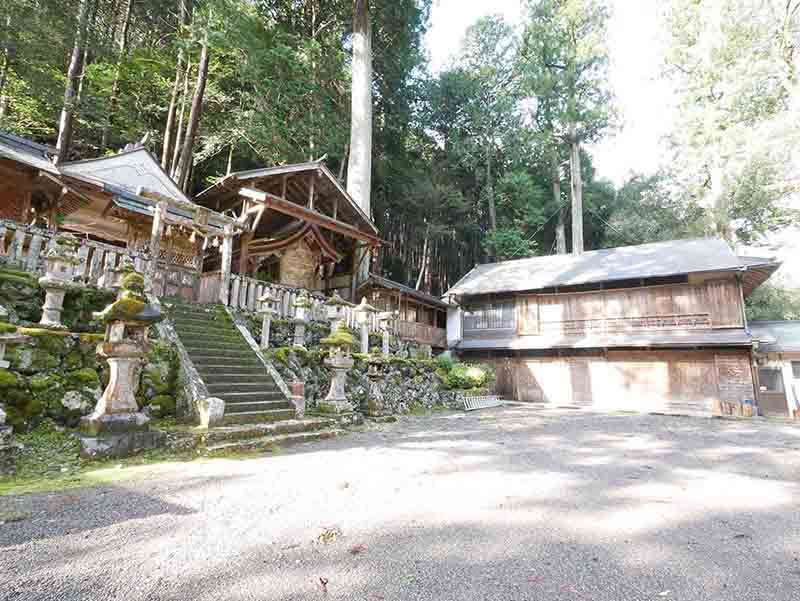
(201, 321)
(216, 350)
(255, 376)
(242, 417)
(246, 431)
(265, 386)
(241, 371)
(222, 361)
(269, 442)
(206, 340)
(249, 406)
(203, 354)
(250, 396)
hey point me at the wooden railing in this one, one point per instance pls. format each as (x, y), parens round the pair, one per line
(422, 333)
(24, 247)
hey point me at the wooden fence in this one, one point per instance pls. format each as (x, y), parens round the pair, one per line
(24, 247)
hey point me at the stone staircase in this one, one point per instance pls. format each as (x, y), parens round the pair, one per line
(228, 366)
(266, 436)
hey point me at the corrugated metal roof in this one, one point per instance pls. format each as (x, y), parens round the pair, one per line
(684, 338)
(659, 259)
(776, 336)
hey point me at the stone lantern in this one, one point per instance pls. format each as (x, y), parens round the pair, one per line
(125, 266)
(268, 311)
(364, 313)
(335, 310)
(384, 323)
(60, 263)
(302, 310)
(116, 415)
(339, 359)
(8, 448)
(375, 403)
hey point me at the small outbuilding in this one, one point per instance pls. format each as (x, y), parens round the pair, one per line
(777, 356)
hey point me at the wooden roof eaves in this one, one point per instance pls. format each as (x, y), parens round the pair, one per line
(225, 183)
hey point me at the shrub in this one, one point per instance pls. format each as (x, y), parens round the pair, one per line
(464, 376)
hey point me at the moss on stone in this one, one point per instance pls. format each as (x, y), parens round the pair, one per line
(43, 382)
(165, 402)
(341, 337)
(7, 328)
(91, 338)
(83, 377)
(73, 360)
(7, 379)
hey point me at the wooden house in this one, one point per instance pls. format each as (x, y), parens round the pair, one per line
(777, 359)
(656, 327)
(422, 318)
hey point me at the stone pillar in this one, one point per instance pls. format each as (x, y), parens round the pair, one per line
(156, 233)
(8, 449)
(298, 398)
(227, 257)
(384, 324)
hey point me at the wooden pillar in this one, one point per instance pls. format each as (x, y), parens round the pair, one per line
(244, 252)
(312, 190)
(157, 231)
(227, 256)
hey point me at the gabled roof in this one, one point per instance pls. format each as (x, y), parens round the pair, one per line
(133, 170)
(776, 336)
(381, 282)
(659, 259)
(26, 152)
(240, 179)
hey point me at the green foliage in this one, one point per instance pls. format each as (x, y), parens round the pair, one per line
(772, 303)
(7, 328)
(508, 244)
(464, 376)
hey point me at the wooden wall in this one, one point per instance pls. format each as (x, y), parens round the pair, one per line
(714, 304)
(669, 381)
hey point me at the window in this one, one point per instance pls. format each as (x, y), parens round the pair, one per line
(770, 379)
(796, 370)
(491, 316)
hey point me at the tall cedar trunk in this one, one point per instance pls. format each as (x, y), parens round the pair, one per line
(359, 168)
(7, 53)
(73, 78)
(424, 262)
(561, 234)
(490, 189)
(166, 152)
(84, 64)
(577, 192)
(176, 152)
(185, 162)
(112, 103)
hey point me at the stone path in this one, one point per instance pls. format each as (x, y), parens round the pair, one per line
(502, 504)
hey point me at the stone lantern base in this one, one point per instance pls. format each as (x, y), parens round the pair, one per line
(8, 451)
(118, 435)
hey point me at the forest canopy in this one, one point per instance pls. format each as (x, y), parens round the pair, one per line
(480, 161)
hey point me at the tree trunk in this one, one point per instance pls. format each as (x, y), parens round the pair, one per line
(176, 151)
(577, 192)
(185, 162)
(73, 79)
(359, 169)
(84, 63)
(166, 152)
(490, 189)
(424, 261)
(561, 234)
(6, 57)
(112, 103)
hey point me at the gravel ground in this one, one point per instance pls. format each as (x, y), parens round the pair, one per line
(505, 504)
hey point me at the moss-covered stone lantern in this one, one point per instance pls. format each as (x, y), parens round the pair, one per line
(385, 319)
(375, 404)
(60, 263)
(125, 345)
(339, 344)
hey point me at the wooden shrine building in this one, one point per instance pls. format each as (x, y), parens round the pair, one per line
(656, 327)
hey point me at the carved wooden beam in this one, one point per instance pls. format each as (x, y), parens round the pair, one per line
(289, 208)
